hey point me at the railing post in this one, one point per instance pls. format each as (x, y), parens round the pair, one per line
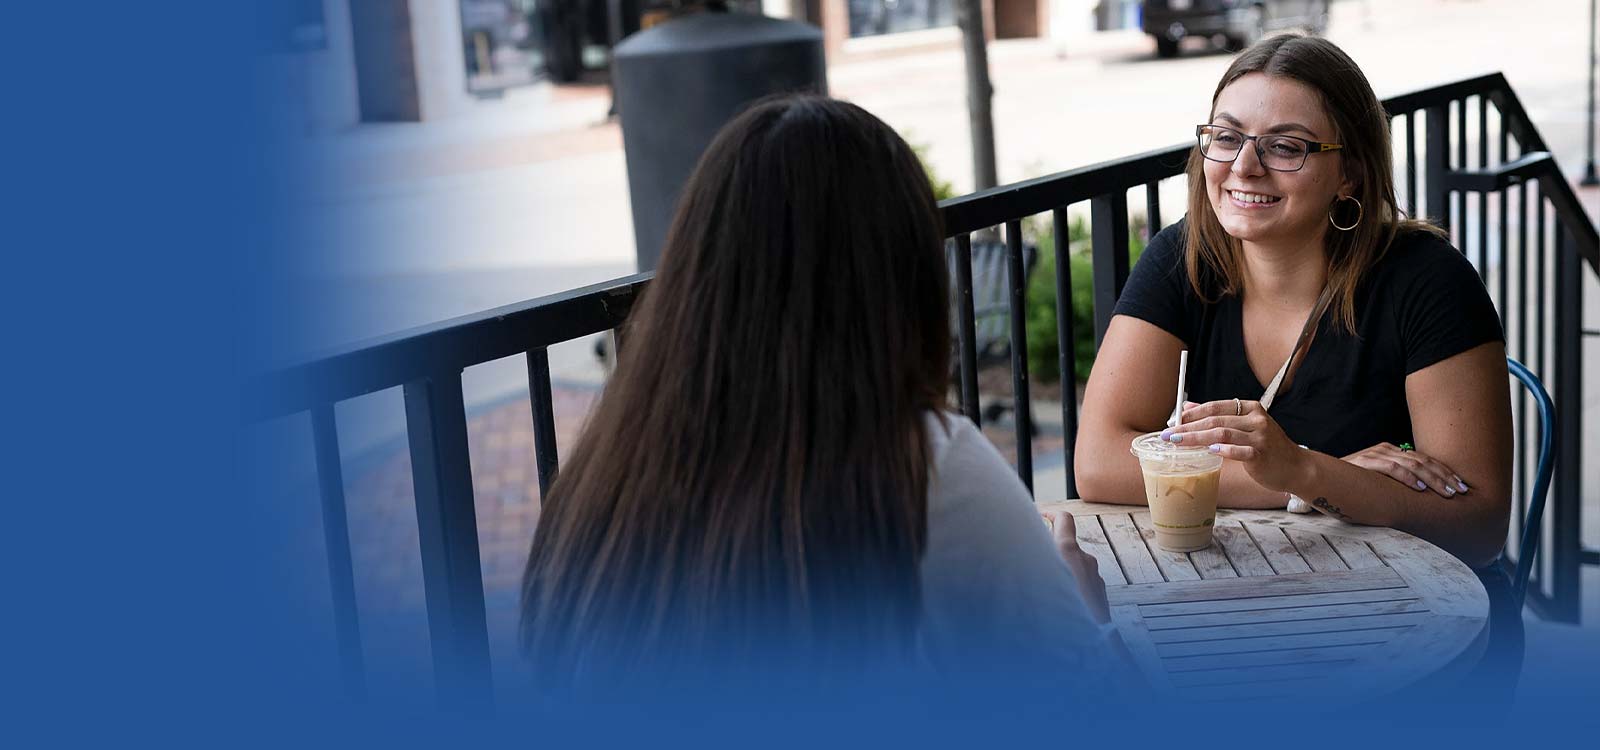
(1566, 500)
(336, 535)
(1437, 164)
(966, 333)
(1109, 214)
(452, 577)
(1017, 285)
(544, 419)
(1066, 343)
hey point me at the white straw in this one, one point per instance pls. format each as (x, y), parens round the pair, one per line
(1183, 370)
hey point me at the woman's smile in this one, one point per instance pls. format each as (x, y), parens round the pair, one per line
(1253, 201)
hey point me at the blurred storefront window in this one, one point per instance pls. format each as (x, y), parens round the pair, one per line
(499, 44)
(876, 17)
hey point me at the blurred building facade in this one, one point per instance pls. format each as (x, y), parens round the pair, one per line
(344, 62)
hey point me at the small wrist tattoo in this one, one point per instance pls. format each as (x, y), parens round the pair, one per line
(1323, 505)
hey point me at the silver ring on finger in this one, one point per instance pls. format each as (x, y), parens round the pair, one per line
(1238, 408)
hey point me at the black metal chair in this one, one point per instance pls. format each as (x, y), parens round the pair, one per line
(1527, 550)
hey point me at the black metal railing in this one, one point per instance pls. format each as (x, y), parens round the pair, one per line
(427, 362)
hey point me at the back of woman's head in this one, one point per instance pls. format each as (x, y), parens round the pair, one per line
(752, 485)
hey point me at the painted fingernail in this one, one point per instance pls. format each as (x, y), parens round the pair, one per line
(1463, 485)
(1421, 485)
(1215, 448)
(1166, 434)
(1449, 491)
(1176, 438)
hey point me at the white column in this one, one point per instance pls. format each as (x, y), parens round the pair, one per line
(1070, 20)
(437, 50)
(333, 71)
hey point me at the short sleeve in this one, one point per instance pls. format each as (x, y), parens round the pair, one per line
(1443, 307)
(995, 590)
(1158, 286)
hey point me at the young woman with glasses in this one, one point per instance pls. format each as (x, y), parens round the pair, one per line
(1295, 268)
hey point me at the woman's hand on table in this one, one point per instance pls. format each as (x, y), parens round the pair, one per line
(1411, 468)
(1243, 431)
(1085, 568)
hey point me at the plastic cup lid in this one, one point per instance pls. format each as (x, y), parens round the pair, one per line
(1150, 445)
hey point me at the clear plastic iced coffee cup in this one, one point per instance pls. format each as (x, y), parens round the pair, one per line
(1180, 484)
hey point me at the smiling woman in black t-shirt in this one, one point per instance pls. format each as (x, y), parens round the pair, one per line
(1421, 304)
(1293, 226)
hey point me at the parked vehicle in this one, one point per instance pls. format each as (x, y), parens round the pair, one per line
(1231, 24)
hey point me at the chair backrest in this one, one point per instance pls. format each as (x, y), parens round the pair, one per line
(991, 293)
(1532, 524)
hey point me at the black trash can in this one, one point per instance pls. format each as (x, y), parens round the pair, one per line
(677, 83)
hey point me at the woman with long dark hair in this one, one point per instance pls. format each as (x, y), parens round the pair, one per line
(771, 483)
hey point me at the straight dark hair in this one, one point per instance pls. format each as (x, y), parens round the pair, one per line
(752, 485)
(1361, 124)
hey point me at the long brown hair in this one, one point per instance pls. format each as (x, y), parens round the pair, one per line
(1361, 125)
(753, 482)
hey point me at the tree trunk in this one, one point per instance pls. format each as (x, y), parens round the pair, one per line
(969, 15)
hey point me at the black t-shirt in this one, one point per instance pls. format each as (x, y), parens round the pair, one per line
(1422, 303)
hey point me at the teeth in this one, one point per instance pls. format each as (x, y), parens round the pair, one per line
(1252, 197)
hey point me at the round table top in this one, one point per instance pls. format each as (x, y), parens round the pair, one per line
(1282, 602)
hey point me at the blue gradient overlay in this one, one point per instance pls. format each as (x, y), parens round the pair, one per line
(164, 578)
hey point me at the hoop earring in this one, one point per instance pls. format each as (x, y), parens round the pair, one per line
(1354, 224)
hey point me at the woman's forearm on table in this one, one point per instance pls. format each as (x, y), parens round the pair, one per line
(1238, 490)
(1105, 470)
(1471, 526)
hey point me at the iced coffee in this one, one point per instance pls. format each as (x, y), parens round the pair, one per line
(1180, 484)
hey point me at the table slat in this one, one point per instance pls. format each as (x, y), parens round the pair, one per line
(1399, 593)
(1137, 639)
(1212, 562)
(1356, 553)
(1241, 549)
(1280, 552)
(1375, 637)
(1092, 538)
(1449, 584)
(1180, 664)
(1246, 588)
(1316, 550)
(1298, 627)
(1137, 564)
(1175, 566)
(1285, 614)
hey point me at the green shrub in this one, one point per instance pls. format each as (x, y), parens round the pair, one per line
(1044, 364)
(942, 188)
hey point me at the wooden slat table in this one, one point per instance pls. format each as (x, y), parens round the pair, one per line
(1281, 602)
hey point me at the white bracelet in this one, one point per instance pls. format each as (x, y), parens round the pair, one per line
(1298, 504)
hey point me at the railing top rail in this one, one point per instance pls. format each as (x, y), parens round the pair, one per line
(995, 206)
(450, 345)
(1444, 93)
